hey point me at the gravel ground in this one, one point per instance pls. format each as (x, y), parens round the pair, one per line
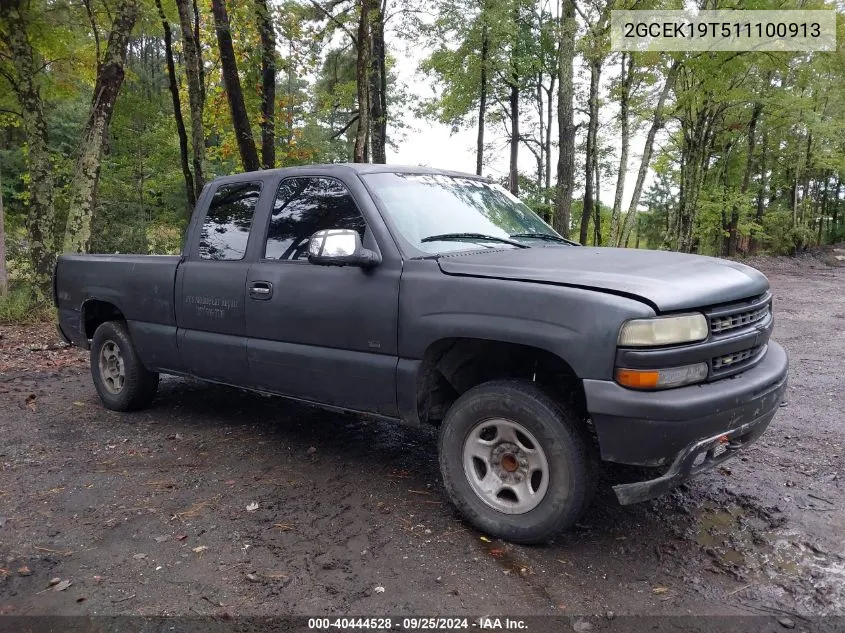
(219, 502)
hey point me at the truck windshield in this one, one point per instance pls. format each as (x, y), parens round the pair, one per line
(438, 213)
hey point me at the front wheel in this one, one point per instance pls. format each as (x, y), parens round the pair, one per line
(121, 380)
(515, 462)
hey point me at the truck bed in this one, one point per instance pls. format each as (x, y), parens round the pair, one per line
(140, 286)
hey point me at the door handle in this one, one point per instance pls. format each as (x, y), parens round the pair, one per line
(262, 290)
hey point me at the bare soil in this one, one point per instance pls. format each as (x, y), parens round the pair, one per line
(220, 502)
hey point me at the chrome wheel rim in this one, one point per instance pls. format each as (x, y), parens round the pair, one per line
(505, 466)
(112, 369)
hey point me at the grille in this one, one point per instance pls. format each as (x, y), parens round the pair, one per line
(736, 359)
(727, 322)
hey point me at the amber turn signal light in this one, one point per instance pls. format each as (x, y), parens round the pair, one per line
(661, 378)
(637, 378)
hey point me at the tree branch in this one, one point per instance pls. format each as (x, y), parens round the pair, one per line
(87, 4)
(332, 18)
(344, 128)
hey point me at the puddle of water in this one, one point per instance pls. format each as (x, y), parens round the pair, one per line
(738, 538)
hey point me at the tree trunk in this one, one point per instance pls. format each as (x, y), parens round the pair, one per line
(40, 215)
(198, 43)
(808, 166)
(268, 83)
(232, 83)
(378, 85)
(541, 131)
(698, 141)
(733, 225)
(362, 64)
(548, 149)
(83, 191)
(4, 275)
(513, 171)
(589, 159)
(626, 78)
(482, 94)
(762, 191)
(177, 111)
(597, 214)
(645, 161)
(188, 23)
(565, 120)
(823, 206)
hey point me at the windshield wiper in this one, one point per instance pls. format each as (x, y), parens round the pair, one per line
(445, 237)
(545, 236)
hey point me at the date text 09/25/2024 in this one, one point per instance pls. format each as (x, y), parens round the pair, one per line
(485, 623)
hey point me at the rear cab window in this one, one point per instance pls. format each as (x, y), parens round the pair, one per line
(225, 229)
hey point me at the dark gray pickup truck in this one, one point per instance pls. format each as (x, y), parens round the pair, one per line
(437, 297)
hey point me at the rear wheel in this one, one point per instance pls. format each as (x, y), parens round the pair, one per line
(515, 462)
(122, 382)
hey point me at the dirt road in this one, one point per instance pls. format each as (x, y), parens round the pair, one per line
(220, 502)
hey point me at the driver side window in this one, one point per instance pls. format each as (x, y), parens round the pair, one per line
(304, 206)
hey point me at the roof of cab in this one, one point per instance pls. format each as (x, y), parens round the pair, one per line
(360, 168)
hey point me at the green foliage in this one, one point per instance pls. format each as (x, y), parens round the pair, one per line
(22, 305)
(781, 237)
(766, 185)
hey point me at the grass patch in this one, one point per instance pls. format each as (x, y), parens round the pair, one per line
(22, 305)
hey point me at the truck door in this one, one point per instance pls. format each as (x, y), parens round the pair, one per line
(326, 334)
(210, 310)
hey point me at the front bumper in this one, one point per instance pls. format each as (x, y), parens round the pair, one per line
(675, 427)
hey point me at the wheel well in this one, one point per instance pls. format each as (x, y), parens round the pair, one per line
(452, 366)
(96, 312)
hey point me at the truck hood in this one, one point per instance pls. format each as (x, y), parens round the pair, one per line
(668, 281)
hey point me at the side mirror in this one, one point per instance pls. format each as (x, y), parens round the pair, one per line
(340, 247)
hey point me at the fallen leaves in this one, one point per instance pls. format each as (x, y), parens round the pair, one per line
(161, 484)
(37, 347)
(123, 599)
(52, 551)
(196, 508)
(57, 584)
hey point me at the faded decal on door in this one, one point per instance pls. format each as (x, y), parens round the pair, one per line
(213, 307)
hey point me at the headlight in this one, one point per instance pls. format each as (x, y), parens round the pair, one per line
(661, 378)
(670, 330)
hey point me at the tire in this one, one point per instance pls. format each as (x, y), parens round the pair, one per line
(122, 382)
(516, 463)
